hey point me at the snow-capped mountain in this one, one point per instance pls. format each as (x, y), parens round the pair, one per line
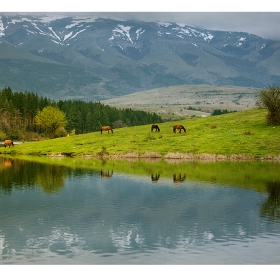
(89, 58)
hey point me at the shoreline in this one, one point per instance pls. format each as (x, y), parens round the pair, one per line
(169, 156)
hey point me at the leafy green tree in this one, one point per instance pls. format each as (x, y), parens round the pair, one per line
(51, 118)
(270, 99)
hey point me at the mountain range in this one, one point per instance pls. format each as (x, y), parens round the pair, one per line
(92, 59)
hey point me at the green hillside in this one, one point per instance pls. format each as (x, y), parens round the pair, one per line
(239, 135)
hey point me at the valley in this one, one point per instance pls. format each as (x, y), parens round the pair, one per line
(188, 100)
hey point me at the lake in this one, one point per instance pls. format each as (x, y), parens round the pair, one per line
(85, 211)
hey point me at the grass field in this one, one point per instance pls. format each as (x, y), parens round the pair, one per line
(239, 135)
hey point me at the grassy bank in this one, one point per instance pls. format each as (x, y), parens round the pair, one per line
(240, 135)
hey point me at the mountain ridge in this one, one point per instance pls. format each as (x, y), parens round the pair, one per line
(68, 57)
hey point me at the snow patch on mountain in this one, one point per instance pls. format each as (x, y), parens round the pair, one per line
(57, 37)
(2, 29)
(122, 30)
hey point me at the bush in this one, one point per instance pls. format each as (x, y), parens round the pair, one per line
(270, 99)
(60, 132)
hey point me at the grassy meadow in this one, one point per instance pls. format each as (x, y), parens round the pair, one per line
(239, 135)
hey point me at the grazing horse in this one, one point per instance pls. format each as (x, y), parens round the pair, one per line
(155, 126)
(106, 128)
(8, 143)
(178, 126)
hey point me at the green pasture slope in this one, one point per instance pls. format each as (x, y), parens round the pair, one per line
(239, 135)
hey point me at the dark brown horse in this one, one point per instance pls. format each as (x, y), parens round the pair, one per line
(106, 128)
(156, 127)
(8, 143)
(178, 126)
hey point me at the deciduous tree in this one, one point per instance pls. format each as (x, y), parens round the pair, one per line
(51, 118)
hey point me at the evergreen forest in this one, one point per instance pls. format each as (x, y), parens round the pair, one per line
(18, 111)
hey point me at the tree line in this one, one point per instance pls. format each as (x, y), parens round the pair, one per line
(18, 112)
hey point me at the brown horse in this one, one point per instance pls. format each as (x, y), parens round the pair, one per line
(8, 143)
(178, 126)
(155, 126)
(106, 128)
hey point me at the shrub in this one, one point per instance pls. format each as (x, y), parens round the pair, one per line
(270, 99)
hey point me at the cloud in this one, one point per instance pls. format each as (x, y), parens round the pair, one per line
(262, 19)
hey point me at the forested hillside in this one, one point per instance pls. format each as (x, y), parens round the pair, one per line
(18, 111)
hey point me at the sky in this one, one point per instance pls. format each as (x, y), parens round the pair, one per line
(262, 19)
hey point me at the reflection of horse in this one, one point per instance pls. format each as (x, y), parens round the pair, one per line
(8, 162)
(155, 126)
(106, 175)
(178, 126)
(106, 128)
(179, 179)
(155, 177)
(8, 143)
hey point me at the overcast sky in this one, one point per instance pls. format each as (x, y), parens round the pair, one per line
(259, 19)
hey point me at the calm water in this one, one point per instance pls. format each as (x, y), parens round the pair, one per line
(57, 215)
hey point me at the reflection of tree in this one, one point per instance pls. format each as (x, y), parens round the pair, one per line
(28, 174)
(271, 207)
(52, 178)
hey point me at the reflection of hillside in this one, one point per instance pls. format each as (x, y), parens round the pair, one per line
(245, 174)
(271, 207)
(19, 173)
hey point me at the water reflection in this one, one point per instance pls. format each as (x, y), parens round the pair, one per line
(8, 162)
(51, 213)
(271, 207)
(155, 177)
(26, 174)
(178, 179)
(106, 174)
